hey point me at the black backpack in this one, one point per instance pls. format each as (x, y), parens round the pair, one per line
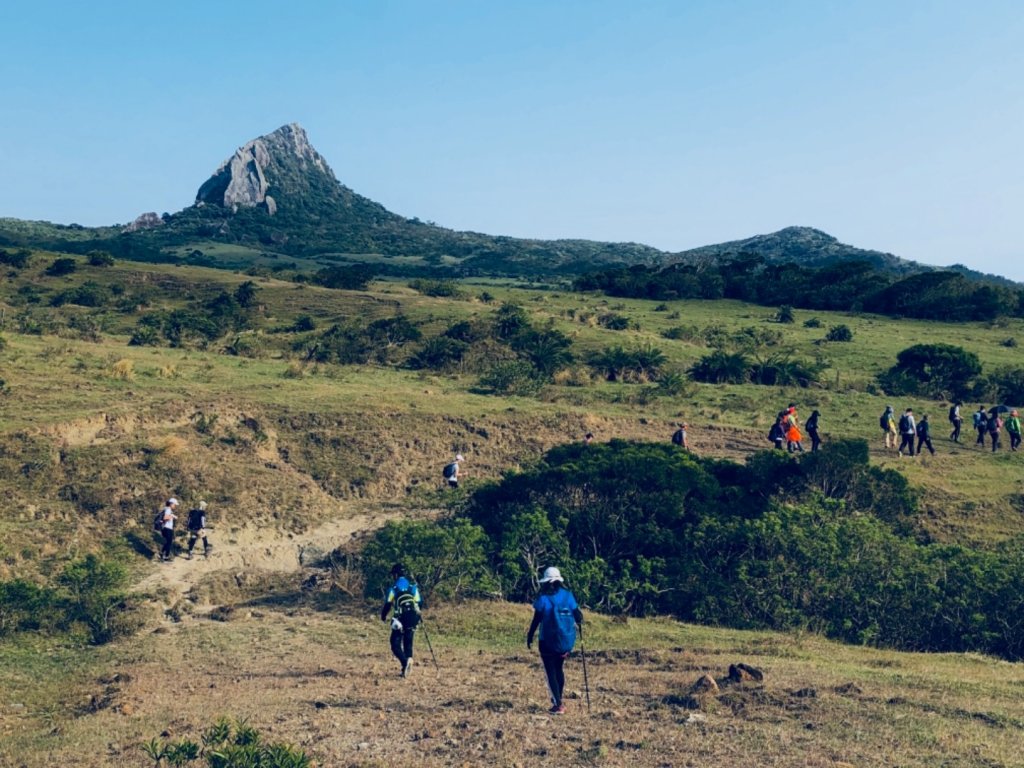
(158, 521)
(677, 438)
(952, 413)
(406, 610)
(883, 420)
(449, 471)
(195, 519)
(904, 423)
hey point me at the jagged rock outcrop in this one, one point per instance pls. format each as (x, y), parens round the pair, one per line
(145, 221)
(273, 162)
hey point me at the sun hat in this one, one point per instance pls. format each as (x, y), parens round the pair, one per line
(172, 502)
(458, 457)
(202, 506)
(551, 574)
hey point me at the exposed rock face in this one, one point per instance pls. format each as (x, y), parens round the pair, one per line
(145, 221)
(275, 161)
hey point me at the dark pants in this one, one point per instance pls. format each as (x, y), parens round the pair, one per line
(995, 440)
(955, 434)
(908, 443)
(981, 436)
(193, 536)
(553, 663)
(925, 441)
(1014, 441)
(401, 643)
(168, 534)
(815, 440)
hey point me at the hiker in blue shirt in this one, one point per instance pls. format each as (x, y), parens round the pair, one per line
(556, 613)
(404, 598)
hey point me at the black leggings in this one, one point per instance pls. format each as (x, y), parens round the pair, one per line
(401, 643)
(815, 440)
(553, 663)
(923, 441)
(1014, 441)
(168, 534)
(955, 434)
(193, 537)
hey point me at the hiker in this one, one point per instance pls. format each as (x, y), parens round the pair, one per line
(811, 425)
(887, 421)
(556, 613)
(994, 426)
(908, 430)
(957, 420)
(777, 433)
(793, 438)
(924, 435)
(1013, 430)
(679, 437)
(588, 438)
(404, 598)
(451, 472)
(197, 529)
(980, 424)
(167, 518)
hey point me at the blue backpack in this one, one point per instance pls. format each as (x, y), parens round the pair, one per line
(558, 627)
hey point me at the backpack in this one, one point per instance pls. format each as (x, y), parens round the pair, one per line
(883, 420)
(195, 519)
(449, 471)
(952, 413)
(995, 424)
(158, 521)
(406, 610)
(677, 438)
(558, 629)
(979, 419)
(922, 428)
(904, 423)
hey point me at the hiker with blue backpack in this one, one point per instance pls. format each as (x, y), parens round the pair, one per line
(451, 472)
(557, 615)
(404, 599)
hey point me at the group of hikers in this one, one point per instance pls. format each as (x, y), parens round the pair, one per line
(196, 524)
(988, 422)
(555, 614)
(786, 428)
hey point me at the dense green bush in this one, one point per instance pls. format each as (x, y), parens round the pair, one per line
(721, 367)
(100, 259)
(839, 333)
(18, 259)
(511, 377)
(441, 288)
(62, 266)
(940, 371)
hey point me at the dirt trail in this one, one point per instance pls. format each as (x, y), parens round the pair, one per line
(264, 549)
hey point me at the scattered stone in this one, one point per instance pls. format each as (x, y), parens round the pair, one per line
(849, 689)
(694, 718)
(806, 693)
(705, 686)
(320, 704)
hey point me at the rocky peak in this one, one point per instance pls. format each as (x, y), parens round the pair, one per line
(281, 162)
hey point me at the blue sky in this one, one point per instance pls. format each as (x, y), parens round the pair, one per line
(894, 126)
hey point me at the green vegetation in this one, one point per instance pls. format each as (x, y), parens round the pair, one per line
(227, 744)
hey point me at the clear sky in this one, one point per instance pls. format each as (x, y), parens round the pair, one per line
(891, 125)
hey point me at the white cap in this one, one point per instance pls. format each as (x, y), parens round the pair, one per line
(202, 505)
(172, 501)
(551, 574)
(458, 457)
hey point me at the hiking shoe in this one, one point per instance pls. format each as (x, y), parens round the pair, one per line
(188, 556)
(558, 709)
(407, 669)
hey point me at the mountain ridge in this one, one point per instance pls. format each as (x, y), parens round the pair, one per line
(277, 196)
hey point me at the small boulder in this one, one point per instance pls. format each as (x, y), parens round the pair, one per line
(744, 673)
(705, 686)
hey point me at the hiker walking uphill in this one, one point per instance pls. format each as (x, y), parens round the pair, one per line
(165, 524)
(995, 427)
(924, 435)
(887, 421)
(197, 529)
(981, 425)
(811, 425)
(404, 599)
(1013, 430)
(679, 437)
(908, 431)
(451, 471)
(556, 614)
(957, 420)
(777, 433)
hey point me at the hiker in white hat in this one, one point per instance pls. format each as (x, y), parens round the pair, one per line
(557, 615)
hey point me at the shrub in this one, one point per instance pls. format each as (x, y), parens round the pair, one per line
(352, 278)
(721, 368)
(144, 336)
(447, 558)
(812, 323)
(613, 321)
(303, 323)
(785, 314)
(100, 259)
(18, 259)
(1010, 342)
(123, 370)
(61, 267)
(439, 288)
(839, 333)
(941, 371)
(512, 377)
(438, 353)
(228, 744)
(93, 591)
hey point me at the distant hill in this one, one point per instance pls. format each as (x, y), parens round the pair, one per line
(276, 203)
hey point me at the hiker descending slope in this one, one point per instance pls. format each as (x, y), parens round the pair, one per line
(924, 435)
(981, 425)
(556, 614)
(404, 598)
(811, 425)
(451, 471)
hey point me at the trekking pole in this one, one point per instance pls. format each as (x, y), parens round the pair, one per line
(586, 680)
(427, 636)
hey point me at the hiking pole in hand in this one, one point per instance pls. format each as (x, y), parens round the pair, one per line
(586, 681)
(426, 635)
